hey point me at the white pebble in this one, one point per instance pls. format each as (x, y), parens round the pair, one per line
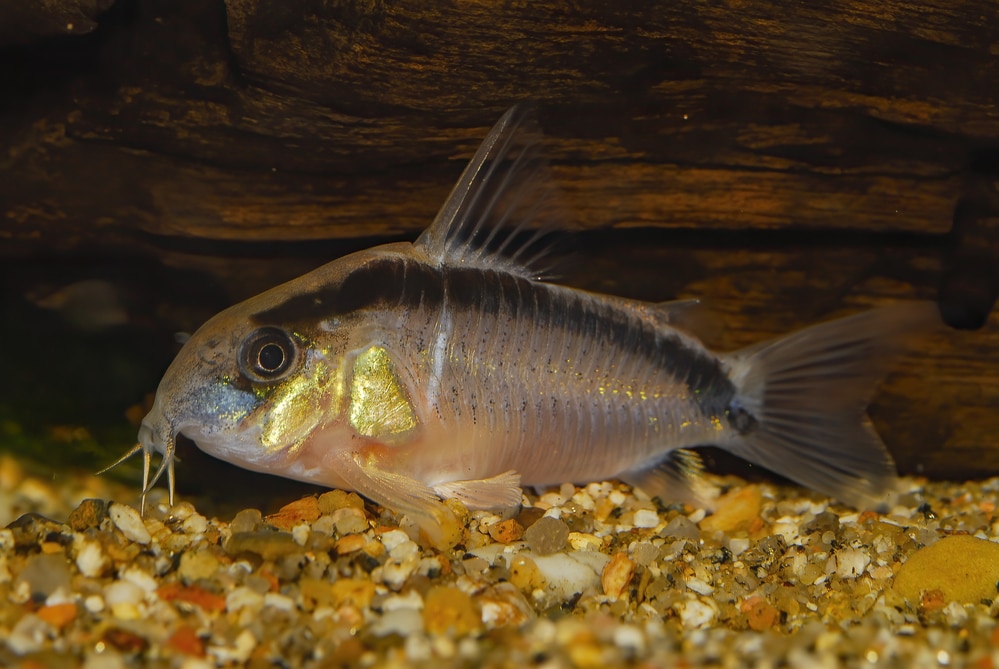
(244, 597)
(646, 518)
(697, 516)
(630, 639)
(129, 522)
(851, 562)
(695, 613)
(276, 600)
(94, 603)
(395, 573)
(738, 545)
(238, 653)
(195, 524)
(393, 538)
(401, 621)
(140, 578)
(410, 600)
(699, 586)
(617, 498)
(418, 648)
(29, 635)
(91, 559)
(300, 533)
(123, 592)
(568, 573)
(957, 615)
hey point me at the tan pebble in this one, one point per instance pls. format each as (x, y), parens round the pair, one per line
(524, 574)
(617, 574)
(50, 547)
(503, 605)
(350, 543)
(305, 510)
(449, 609)
(506, 531)
(88, 514)
(350, 591)
(349, 520)
(738, 510)
(604, 509)
(586, 654)
(374, 548)
(964, 569)
(197, 564)
(316, 592)
(128, 520)
(582, 541)
(330, 501)
(760, 614)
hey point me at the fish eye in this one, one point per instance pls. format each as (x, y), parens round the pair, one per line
(267, 354)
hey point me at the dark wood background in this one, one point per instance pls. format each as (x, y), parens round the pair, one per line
(784, 161)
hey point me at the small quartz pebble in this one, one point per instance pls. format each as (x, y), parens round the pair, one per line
(963, 568)
(128, 520)
(547, 535)
(646, 518)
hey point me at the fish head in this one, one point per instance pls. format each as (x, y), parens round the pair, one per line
(254, 382)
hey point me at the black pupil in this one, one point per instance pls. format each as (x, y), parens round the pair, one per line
(271, 357)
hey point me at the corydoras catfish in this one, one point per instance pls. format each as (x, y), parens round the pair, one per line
(446, 368)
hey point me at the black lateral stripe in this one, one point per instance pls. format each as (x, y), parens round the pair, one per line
(377, 283)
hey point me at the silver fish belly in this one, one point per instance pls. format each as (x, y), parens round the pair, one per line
(447, 369)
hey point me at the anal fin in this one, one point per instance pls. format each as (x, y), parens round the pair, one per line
(678, 478)
(498, 492)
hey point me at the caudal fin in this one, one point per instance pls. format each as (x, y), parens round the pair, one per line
(801, 401)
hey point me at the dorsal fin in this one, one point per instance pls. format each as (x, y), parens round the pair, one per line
(497, 215)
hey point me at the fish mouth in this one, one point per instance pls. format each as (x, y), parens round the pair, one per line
(156, 435)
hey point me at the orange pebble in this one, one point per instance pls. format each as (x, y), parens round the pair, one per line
(185, 640)
(58, 615)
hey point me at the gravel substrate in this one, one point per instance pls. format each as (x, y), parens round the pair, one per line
(591, 576)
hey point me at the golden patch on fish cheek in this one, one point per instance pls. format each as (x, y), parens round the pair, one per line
(379, 406)
(295, 407)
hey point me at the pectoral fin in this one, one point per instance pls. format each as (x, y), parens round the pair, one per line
(362, 471)
(498, 492)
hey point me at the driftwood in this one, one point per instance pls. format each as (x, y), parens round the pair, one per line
(798, 159)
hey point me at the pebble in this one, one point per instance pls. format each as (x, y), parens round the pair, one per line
(736, 510)
(547, 535)
(197, 564)
(128, 520)
(646, 518)
(449, 610)
(616, 575)
(806, 583)
(695, 613)
(961, 567)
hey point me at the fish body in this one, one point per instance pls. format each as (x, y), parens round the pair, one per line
(412, 372)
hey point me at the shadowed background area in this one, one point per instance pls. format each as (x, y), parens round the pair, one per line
(783, 162)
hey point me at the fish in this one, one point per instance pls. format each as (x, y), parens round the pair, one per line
(448, 368)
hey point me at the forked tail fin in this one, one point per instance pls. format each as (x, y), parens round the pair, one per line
(801, 401)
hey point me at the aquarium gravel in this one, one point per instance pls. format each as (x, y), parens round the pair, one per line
(583, 576)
